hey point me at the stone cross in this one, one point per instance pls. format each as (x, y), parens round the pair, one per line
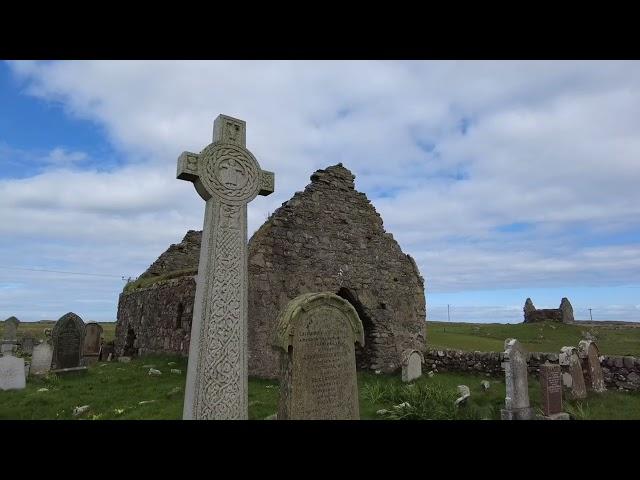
(227, 176)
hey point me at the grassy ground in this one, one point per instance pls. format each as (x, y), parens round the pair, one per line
(36, 329)
(539, 337)
(114, 391)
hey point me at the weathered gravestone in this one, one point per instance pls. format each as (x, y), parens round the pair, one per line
(27, 344)
(316, 334)
(551, 388)
(68, 339)
(11, 329)
(589, 355)
(411, 365)
(41, 359)
(7, 347)
(517, 382)
(572, 376)
(92, 337)
(12, 371)
(227, 176)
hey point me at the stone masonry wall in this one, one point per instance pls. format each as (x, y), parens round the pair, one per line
(156, 319)
(619, 372)
(327, 238)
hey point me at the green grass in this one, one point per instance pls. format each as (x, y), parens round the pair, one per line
(36, 329)
(114, 390)
(539, 337)
(148, 281)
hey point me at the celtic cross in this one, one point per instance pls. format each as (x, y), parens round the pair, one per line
(227, 176)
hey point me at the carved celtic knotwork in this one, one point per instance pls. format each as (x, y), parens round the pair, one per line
(230, 172)
(221, 341)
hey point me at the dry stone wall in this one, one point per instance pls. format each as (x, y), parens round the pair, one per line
(619, 372)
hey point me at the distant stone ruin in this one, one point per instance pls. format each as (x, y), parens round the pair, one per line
(563, 314)
(327, 238)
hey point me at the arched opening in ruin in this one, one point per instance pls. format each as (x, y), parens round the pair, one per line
(129, 349)
(179, 316)
(364, 355)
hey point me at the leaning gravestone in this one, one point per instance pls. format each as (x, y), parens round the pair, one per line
(227, 176)
(316, 335)
(41, 359)
(12, 371)
(588, 353)
(11, 329)
(411, 365)
(551, 388)
(68, 338)
(92, 337)
(517, 382)
(572, 376)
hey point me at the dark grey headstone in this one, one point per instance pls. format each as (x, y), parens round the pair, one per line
(11, 329)
(68, 339)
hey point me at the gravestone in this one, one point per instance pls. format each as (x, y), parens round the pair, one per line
(7, 347)
(11, 329)
(411, 365)
(316, 335)
(41, 359)
(517, 382)
(68, 339)
(227, 176)
(12, 373)
(572, 376)
(92, 337)
(589, 356)
(551, 388)
(27, 344)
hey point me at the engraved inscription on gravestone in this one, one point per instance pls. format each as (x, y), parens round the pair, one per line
(316, 333)
(68, 338)
(551, 387)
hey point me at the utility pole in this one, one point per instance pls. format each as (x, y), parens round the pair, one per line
(590, 316)
(448, 316)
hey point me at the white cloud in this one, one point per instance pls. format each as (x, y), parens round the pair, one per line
(552, 144)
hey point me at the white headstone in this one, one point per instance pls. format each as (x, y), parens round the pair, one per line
(411, 365)
(517, 382)
(227, 176)
(12, 373)
(41, 359)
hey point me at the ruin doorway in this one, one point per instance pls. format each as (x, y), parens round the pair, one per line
(130, 340)
(365, 356)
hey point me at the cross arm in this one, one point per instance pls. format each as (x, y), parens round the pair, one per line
(188, 166)
(266, 183)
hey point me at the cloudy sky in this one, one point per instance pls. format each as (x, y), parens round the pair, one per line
(504, 180)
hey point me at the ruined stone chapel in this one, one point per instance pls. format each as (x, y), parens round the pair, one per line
(327, 238)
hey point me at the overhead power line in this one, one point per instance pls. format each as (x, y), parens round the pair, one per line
(122, 277)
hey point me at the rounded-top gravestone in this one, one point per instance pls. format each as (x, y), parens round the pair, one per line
(92, 337)
(68, 339)
(316, 334)
(411, 365)
(11, 329)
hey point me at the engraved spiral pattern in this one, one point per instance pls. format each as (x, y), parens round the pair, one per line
(230, 172)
